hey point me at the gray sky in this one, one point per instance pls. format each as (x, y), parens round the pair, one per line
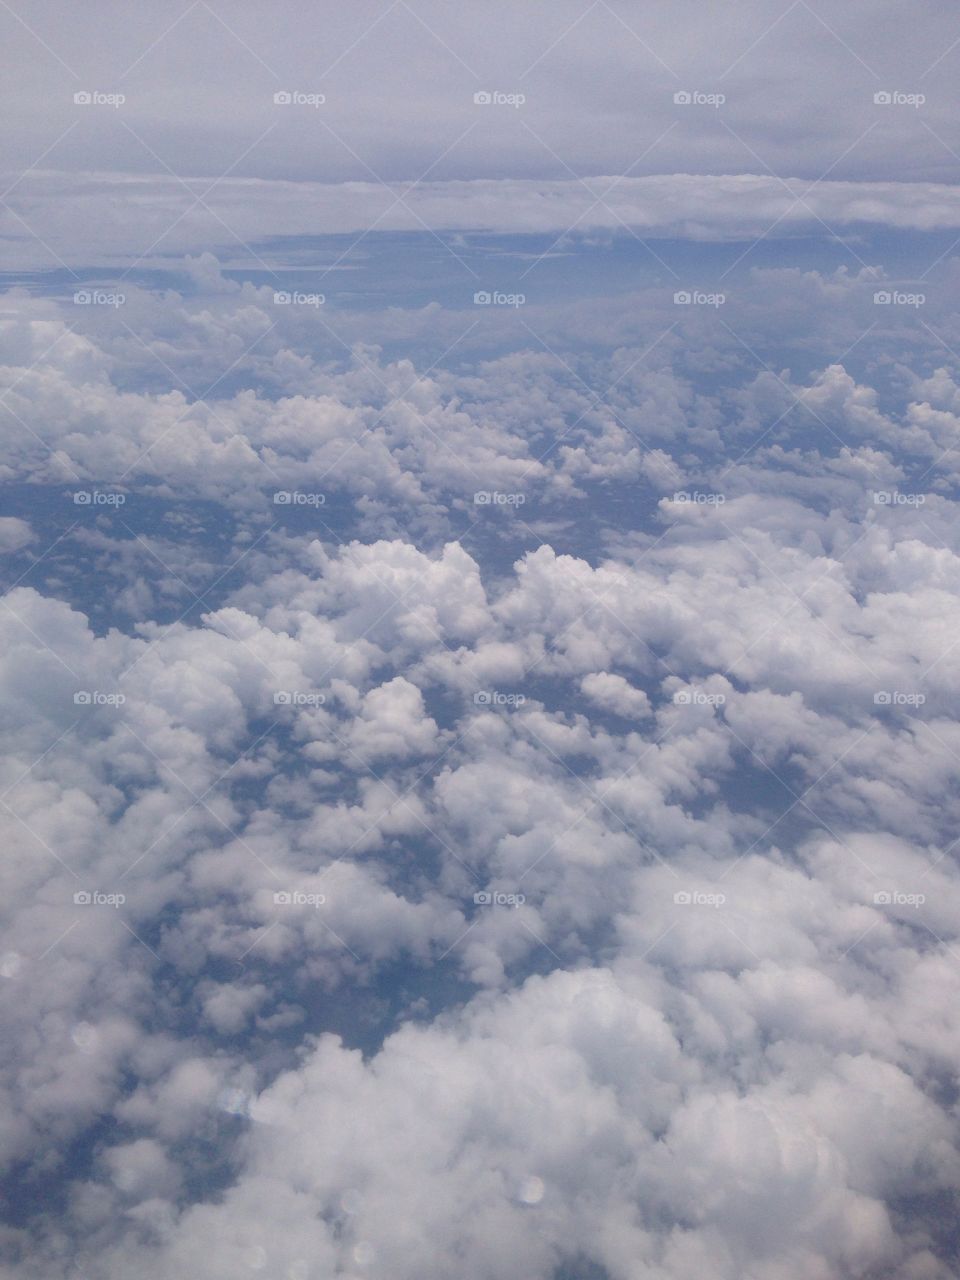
(399, 78)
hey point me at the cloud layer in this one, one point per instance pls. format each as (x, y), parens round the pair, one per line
(535, 853)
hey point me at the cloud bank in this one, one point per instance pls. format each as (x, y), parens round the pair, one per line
(425, 892)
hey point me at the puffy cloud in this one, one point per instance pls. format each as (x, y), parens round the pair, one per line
(612, 693)
(392, 724)
(403, 880)
(469, 1140)
(14, 533)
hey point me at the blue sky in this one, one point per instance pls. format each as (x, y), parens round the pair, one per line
(479, 641)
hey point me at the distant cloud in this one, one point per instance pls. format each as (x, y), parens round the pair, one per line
(71, 215)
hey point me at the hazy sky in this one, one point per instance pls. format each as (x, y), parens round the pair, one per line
(399, 81)
(779, 92)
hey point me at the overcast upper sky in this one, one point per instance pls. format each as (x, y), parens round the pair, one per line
(382, 129)
(399, 80)
(785, 91)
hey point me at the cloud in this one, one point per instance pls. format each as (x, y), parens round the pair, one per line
(613, 693)
(498, 1113)
(557, 885)
(15, 533)
(71, 218)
